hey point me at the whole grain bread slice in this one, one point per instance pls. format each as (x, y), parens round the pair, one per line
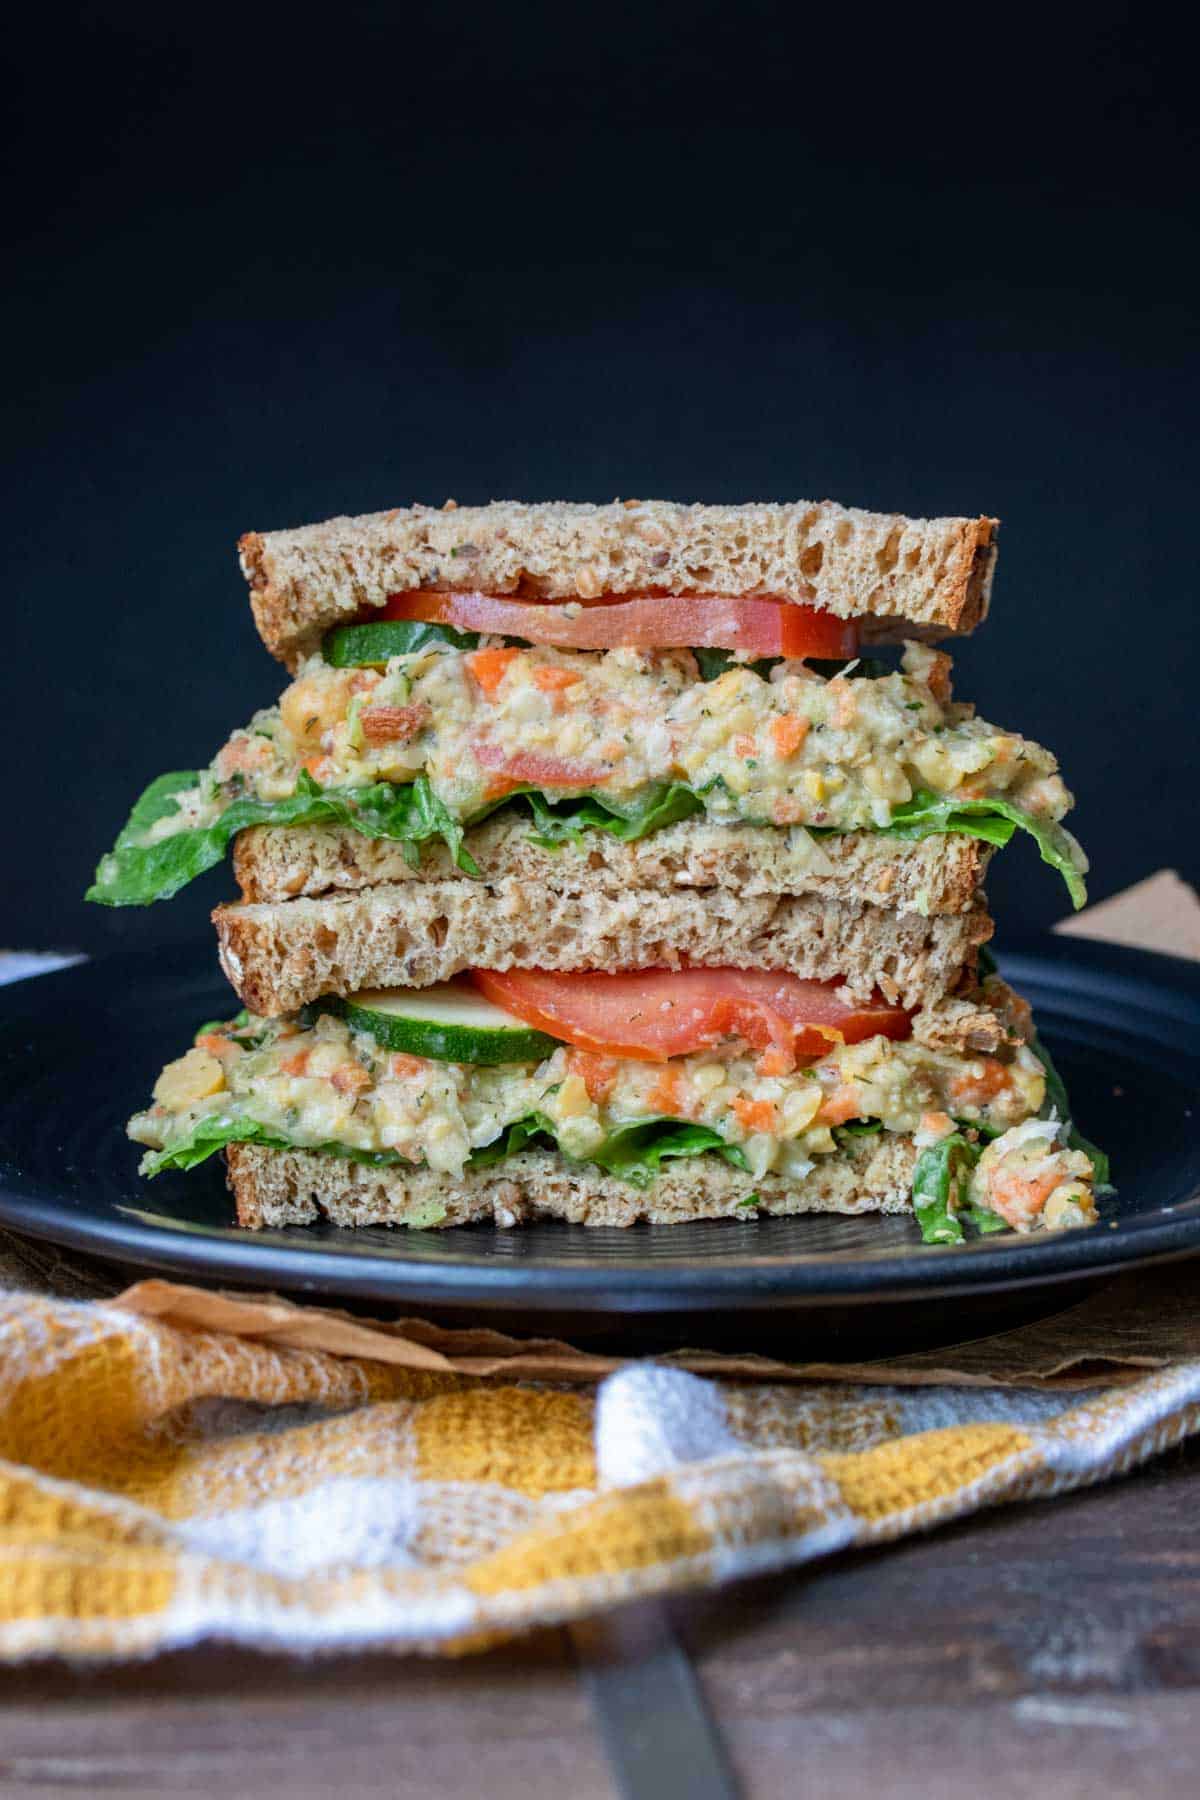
(931, 573)
(282, 955)
(298, 1187)
(932, 875)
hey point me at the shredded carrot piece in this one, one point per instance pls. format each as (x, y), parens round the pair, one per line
(787, 734)
(407, 1065)
(775, 1060)
(488, 666)
(295, 1065)
(743, 745)
(839, 1106)
(350, 1078)
(754, 1115)
(598, 1073)
(845, 701)
(666, 1096)
(552, 680)
(975, 1089)
(1019, 1198)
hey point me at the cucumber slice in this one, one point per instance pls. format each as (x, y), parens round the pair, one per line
(359, 646)
(449, 1022)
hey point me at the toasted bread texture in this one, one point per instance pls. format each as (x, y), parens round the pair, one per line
(932, 875)
(281, 956)
(933, 573)
(298, 1187)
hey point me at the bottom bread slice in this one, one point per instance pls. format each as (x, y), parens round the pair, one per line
(298, 1187)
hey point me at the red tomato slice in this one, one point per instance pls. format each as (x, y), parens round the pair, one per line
(539, 771)
(652, 1014)
(763, 627)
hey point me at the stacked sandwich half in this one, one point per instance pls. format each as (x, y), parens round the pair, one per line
(615, 863)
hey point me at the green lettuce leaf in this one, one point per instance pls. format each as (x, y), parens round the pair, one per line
(215, 1130)
(844, 1135)
(1057, 1102)
(994, 820)
(559, 822)
(134, 874)
(984, 1219)
(938, 1181)
(634, 1152)
(534, 1129)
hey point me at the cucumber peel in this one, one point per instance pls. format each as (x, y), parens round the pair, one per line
(373, 644)
(449, 1022)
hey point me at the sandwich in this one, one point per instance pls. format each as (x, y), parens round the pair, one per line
(605, 670)
(615, 863)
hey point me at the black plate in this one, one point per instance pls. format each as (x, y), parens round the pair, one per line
(80, 1049)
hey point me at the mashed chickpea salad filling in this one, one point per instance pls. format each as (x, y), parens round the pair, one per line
(768, 1073)
(413, 729)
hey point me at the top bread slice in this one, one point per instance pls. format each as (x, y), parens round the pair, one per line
(934, 574)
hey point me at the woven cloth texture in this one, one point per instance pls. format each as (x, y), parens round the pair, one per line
(161, 1486)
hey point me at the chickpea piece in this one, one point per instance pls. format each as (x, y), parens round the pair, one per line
(193, 1077)
(1070, 1204)
(314, 705)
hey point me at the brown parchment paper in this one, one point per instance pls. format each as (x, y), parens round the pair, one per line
(1137, 1322)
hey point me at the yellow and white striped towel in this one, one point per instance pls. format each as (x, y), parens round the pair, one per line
(160, 1486)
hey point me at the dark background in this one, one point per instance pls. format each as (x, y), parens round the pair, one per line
(266, 268)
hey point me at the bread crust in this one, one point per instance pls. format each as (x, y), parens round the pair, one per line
(933, 573)
(931, 875)
(280, 957)
(298, 1187)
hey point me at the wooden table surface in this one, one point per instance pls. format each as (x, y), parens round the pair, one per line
(1052, 1648)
